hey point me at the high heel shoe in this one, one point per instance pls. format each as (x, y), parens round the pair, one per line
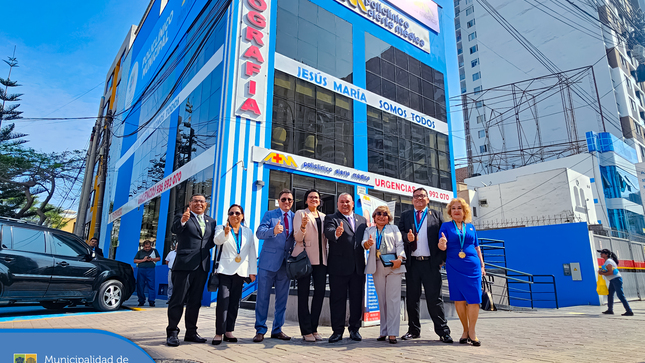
(464, 340)
(476, 343)
(230, 340)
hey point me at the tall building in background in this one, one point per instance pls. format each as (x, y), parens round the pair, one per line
(544, 81)
(238, 100)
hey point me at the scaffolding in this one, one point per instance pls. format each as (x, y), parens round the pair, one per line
(530, 121)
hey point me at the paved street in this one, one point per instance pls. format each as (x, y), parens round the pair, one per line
(579, 334)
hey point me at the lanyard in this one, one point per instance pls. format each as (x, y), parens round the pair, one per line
(423, 217)
(461, 234)
(238, 240)
(379, 238)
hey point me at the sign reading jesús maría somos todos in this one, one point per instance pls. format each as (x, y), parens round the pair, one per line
(309, 74)
(253, 45)
(343, 173)
(392, 20)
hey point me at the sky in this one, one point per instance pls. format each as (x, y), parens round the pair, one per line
(64, 50)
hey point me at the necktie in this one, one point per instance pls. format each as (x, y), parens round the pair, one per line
(418, 216)
(286, 224)
(202, 224)
(351, 222)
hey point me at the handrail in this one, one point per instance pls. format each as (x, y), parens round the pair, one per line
(508, 269)
(508, 278)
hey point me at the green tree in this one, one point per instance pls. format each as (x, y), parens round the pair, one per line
(9, 111)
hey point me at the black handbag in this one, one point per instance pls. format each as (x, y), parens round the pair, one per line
(299, 266)
(213, 280)
(487, 296)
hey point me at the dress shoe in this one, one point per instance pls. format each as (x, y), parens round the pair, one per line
(216, 342)
(281, 336)
(392, 340)
(446, 339)
(258, 338)
(356, 336)
(476, 343)
(194, 338)
(609, 312)
(409, 335)
(381, 339)
(335, 337)
(173, 339)
(230, 340)
(318, 337)
(309, 338)
(141, 303)
(628, 313)
(464, 340)
(152, 303)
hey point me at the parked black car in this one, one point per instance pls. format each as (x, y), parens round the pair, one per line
(56, 269)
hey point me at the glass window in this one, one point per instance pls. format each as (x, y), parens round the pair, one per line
(313, 122)
(407, 151)
(481, 133)
(28, 240)
(6, 237)
(472, 36)
(474, 62)
(314, 36)
(396, 75)
(477, 89)
(483, 149)
(474, 49)
(477, 76)
(66, 246)
(469, 10)
(470, 23)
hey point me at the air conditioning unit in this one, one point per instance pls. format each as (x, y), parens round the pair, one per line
(483, 203)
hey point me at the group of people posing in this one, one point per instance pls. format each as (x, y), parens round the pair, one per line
(336, 246)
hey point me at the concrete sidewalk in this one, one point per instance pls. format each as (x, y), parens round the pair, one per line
(577, 334)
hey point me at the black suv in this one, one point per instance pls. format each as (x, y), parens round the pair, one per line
(56, 269)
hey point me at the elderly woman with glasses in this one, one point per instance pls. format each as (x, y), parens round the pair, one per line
(386, 253)
(309, 236)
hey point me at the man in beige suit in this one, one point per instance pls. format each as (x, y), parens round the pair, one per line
(310, 238)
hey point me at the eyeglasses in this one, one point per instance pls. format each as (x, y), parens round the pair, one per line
(384, 214)
(286, 200)
(238, 213)
(198, 201)
(420, 196)
(313, 197)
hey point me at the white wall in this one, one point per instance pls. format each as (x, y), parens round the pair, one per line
(547, 194)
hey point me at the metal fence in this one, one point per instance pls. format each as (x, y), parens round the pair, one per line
(630, 252)
(527, 221)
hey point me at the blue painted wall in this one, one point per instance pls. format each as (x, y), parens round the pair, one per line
(543, 250)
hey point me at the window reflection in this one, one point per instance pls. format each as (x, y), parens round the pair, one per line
(312, 121)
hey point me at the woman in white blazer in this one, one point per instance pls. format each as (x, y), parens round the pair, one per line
(239, 261)
(309, 236)
(385, 238)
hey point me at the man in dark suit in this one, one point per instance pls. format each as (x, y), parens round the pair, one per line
(276, 229)
(94, 245)
(194, 232)
(346, 266)
(420, 231)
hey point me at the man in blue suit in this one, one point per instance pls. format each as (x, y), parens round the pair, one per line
(276, 229)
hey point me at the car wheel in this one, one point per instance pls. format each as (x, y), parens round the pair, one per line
(109, 296)
(52, 305)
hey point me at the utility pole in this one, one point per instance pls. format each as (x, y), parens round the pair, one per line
(105, 150)
(89, 174)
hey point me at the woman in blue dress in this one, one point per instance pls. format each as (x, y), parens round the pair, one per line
(464, 266)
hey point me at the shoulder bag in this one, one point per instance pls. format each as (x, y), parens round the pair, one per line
(213, 280)
(487, 296)
(298, 266)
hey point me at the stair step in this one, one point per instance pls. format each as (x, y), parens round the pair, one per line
(248, 305)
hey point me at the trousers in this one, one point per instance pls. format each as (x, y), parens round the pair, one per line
(146, 281)
(308, 320)
(229, 294)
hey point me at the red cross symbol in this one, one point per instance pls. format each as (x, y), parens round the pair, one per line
(277, 158)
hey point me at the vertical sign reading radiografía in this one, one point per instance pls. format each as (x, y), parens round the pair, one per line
(253, 44)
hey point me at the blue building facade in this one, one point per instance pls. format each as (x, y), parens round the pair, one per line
(238, 100)
(620, 183)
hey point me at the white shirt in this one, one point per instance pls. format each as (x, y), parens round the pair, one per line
(616, 272)
(196, 216)
(170, 258)
(422, 237)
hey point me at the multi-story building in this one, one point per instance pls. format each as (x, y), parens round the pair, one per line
(238, 100)
(537, 77)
